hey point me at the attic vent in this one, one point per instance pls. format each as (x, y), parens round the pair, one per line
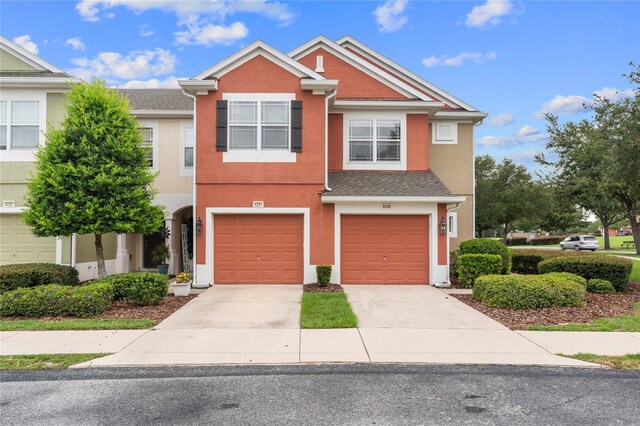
(319, 63)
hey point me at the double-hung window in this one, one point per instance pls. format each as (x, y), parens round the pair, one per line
(189, 139)
(375, 140)
(259, 125)
(19, 124)
(146, 133)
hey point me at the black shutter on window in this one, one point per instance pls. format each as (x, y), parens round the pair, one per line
(296, 126)
(221, 125)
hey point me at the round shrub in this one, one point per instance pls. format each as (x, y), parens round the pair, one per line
(36, 274)
(568, 276)
(91, 299)
(488, 246)
(10, 302)
(471, 266)
(147, 288)
(120, 283)
(611, 268)
(600, 286)
(527, 291)
(526, 261)
(323, 273)
(46, 300)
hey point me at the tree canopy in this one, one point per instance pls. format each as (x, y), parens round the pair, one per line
(92, 176)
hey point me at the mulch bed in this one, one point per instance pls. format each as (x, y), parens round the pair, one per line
(315, 288)
(125, 309)
(596, 306)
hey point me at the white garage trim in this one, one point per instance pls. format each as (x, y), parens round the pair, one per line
(437, 273)
(204, 273)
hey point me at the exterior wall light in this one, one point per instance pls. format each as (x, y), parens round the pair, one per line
(443, 226)
(198, 226)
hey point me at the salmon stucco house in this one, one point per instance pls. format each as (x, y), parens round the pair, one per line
(331, 154)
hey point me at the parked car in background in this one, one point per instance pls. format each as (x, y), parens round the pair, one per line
(580, 242)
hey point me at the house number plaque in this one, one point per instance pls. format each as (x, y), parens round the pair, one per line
(386, 206)
(258, 204)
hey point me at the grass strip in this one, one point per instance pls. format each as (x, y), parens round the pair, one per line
(623, 362)
(76, 324)
(627, 323)
(44, 362)
(326, 310)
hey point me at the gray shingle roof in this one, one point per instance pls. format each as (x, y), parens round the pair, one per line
(34, 74)
(158, 99)
(386, 184)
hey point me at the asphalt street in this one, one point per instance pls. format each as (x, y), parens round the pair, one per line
(327, 394)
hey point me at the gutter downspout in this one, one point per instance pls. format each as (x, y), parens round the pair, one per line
(447, 282)
(194, 270)
(326, 140)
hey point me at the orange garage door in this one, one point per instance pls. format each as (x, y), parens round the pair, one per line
(384, 249)
(258, 249)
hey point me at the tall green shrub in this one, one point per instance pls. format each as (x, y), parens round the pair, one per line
(611, 268)
(472, 266)
(488, 246)
(323, 273)
(36, 274)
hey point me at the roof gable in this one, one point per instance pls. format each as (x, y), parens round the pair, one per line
(258, 48)
(26, 57)
(387, 64)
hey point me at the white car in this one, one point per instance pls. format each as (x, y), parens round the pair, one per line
(580, 242)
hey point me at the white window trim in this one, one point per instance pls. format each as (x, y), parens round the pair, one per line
(374, 165)
(9, 95)
(184, 125)
(155, 142)
(452, 224)
(434, 133)
(259, 156)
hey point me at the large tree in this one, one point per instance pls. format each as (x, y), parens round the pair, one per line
(600, 157)
(92, 175)
(505, 193)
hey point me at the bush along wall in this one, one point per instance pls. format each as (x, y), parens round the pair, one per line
(488, 246)
(614, 269)
(518, 241)
(35, 274)
(526, 261)
(472, 266)
(323, 273)
(546, 241)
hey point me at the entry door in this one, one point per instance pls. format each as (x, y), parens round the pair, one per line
(384, 249)
(258, 249)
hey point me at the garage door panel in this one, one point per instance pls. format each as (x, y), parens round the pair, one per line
(277, 239)
(19, 245)
(384, 249)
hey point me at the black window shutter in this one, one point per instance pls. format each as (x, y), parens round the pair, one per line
(221, 125)
(296, 126)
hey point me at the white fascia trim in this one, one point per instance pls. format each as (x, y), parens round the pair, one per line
(12, 210)
(26, 56)
(158, 113)
(359, 63)
(419, 81)
(430, 107)
(331, 199)
(38, 82)
(199, 87)
(309, 272)
(319, 87)
(230, 63)
(461, 114)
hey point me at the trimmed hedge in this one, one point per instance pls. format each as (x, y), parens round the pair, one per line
(144, 288)
(57, 300)
(600, 286)
(527, 291)
(518, 241)
(323, 273)
(472, 266)
(35, 274)
(453, 264)
(568, 276)
(526, 261)
(488, 246)
(546, 241)
(611, 268)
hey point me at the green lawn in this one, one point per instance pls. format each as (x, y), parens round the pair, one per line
(76, 324)
(326, 310)
(635, 272)
(44, 362)
(630, 323)
(616, 241)
(624, 362)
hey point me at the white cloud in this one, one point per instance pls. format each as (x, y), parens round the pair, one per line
(146, 30)
(75, 43)
(154, 83)
(527, 130)
(509, 140)
(502, 119)
(459, 59)
(113, 65)
(572, 104)
(25, 42)
(612, 94)
(488, 14)
(212, 34)
(523, 155)
(390, 16)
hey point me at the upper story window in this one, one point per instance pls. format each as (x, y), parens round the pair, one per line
(146, 133)
(259, 125)
(19, 124)
(188, 142)
(374, 141)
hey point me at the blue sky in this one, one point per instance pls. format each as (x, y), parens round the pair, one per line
(511, 59)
